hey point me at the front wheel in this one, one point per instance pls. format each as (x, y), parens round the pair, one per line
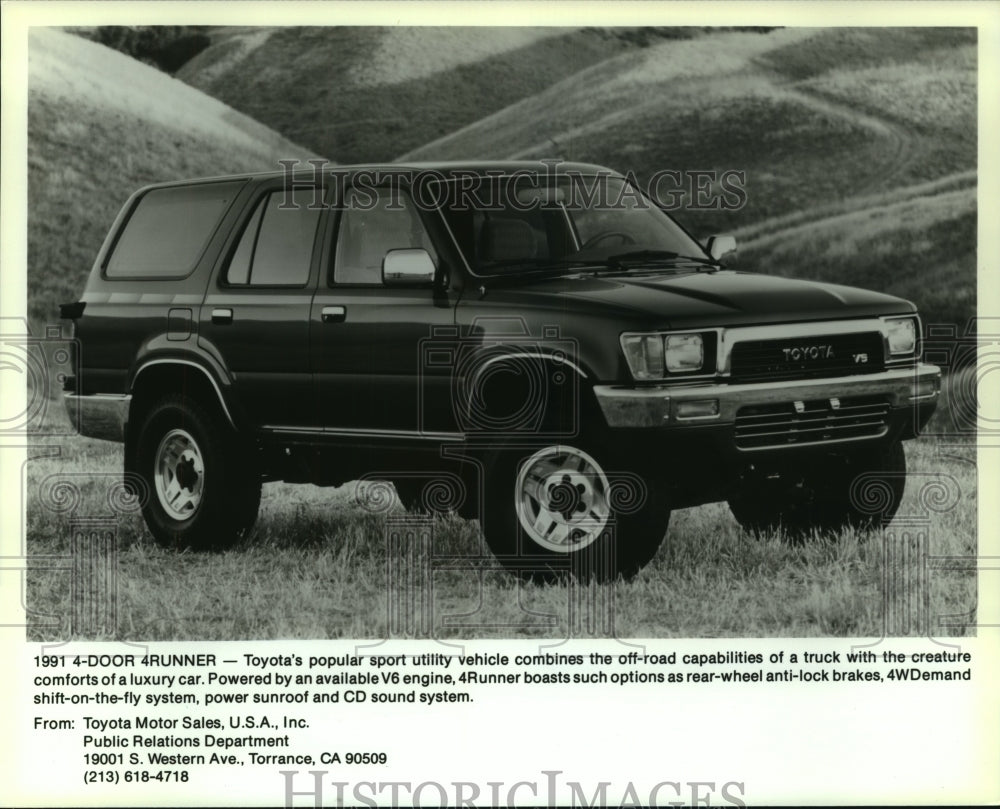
(203, 483)
(557, 510)
(861, 491)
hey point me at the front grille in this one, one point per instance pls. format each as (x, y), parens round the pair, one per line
(811, 422)
(807, 357)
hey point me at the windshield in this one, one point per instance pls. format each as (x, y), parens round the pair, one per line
(532, 221)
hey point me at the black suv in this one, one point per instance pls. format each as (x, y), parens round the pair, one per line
(541, 338)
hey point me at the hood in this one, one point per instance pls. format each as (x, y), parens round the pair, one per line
(698, 299)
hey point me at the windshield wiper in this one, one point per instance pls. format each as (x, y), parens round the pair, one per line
(534, 266)
(656, 259)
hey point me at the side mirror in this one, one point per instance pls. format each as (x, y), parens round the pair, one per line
(410, 266)
(720, 246)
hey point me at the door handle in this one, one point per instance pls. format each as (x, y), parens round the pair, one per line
(222, 316)
(334, 314)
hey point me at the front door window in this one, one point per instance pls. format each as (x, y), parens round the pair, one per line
(373, 223)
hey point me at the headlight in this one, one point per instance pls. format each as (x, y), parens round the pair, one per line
(644, 354)
(684, 353)
(901, 334)
(655, 356)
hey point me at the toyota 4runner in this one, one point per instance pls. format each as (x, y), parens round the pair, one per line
(541, 340)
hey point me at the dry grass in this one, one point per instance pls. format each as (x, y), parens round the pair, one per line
(922, 249)
(84, 75)
(369, 94)
(859, 148)
(406, 53)
(939, 97)
(758, 230)
(746, 132)
(316, 566)
(876, 112)
(231, 46)
(836, 49)
(666, 76)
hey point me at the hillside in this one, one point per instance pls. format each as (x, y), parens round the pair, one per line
(737, 100)
(858, 145)
(99, 126)
(823, 123)
(370, 94)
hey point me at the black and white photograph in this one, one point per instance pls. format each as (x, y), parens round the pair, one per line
(649, 312)
(502, 355)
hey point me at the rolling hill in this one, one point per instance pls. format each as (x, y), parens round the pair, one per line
(858, 145)
(737, 100)
(862, 142)
(101, 125)
(370, 94)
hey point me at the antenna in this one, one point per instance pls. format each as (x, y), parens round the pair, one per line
(559, 149)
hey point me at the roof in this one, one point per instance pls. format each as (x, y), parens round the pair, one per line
(483, 167)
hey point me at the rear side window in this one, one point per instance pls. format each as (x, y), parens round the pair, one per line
(168, 230)
(277, 242)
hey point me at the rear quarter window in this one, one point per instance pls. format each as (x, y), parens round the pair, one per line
(276, 246)
(168, 230)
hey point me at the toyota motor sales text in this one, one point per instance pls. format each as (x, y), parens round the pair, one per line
(293, 746)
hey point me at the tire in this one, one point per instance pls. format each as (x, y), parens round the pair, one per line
(203, 482)
(861, 491)
(556, 510)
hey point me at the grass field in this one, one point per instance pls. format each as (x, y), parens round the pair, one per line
(317, 565)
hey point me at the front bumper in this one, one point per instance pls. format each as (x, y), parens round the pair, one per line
(714, 404)
(100, 415)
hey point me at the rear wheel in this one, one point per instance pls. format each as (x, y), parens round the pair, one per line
(861, 491)
(203, 483)
(561, 509)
